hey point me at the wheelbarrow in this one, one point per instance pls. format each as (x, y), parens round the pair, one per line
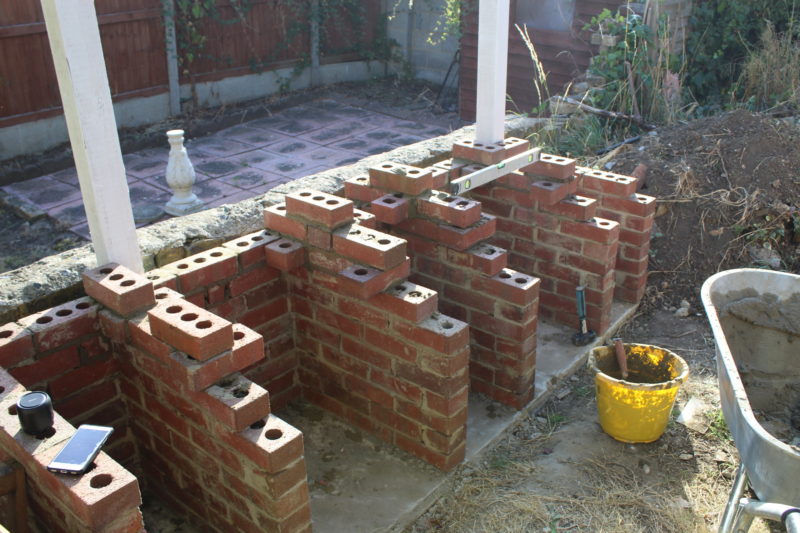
(755, 318)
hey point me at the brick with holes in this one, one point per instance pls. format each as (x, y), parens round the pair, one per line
(119, 288)
(190, 328)
(552, 166)
(204, 269)
(285, 254)
(456, 210)
(320, 208)
(397, 177)
(390, 208)
(369, 247)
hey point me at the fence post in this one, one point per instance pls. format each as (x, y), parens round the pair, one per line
(492, 67)
(168, 8)
(85, 94)
(315, 72)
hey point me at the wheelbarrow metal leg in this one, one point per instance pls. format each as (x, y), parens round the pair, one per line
(732, 507)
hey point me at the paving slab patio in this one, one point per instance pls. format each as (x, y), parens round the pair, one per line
(238, 162)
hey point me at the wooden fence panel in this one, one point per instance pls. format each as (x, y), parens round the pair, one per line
(271, 36)
(133, 42)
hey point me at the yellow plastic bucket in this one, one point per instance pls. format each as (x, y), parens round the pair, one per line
(636, 409)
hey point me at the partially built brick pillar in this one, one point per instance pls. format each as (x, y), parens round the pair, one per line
(449, 239)
(635, 212)
(555, 234)
(198, 433)
(372, 347)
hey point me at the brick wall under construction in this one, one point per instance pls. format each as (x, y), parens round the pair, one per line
(385, 305)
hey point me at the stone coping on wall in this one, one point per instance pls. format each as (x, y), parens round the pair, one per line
(57, 279)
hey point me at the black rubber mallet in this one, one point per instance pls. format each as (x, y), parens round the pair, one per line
(584, 335)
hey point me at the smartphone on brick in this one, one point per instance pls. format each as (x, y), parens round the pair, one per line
(79, 452)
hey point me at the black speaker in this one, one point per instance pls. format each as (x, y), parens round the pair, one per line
(35, 412)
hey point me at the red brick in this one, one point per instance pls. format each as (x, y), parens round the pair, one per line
(216, 294)
(16, 345)
(273, 446)
(162, 278)
(643, 224)
(408, 300)
(559, 241)
(119, 288)
(359, 189)
(453, 210)
(356, 310)
(190, 329)
(486, 154)
(397, 177)
(512, 197)
(597, 230)
(390, 208)
(364, 282)
(447, 405)
(88, 399)
(81, 378)
(463, 238)
(577, 207)
(264, 314)
(250, 280)
(606, 182)
(634, 238)
(62, 324)
(97, 498)
(142, 337)
(637, 204)
(365, 218)
(47, 367)
(275, 219)
(515, 180)
(369, 247)
(204, 269)
(511, 286)
(365, 353)
(249, 247)
(398, 347)
(285, 255)
(112, 326)
(319, 208)
(552, 166)
(485, 258)
(236, 402)
(439, 332)
(440, 461)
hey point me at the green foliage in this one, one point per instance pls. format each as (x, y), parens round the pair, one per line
(638, 73)
(718, 427)
(723, 33)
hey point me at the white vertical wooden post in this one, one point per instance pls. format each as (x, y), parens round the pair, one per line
(490, 112)
(82, 80)
(172, 58)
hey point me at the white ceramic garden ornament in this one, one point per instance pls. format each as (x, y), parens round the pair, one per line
(180, 178)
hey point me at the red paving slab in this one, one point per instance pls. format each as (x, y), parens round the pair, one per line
(241, 161)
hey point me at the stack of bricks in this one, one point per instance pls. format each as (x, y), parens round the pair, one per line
(557, 234)
(635, 212)
(192, 424)
(372, 347)
(234, 281)
(448, 240)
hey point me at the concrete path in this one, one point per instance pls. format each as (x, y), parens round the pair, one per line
(238, 162)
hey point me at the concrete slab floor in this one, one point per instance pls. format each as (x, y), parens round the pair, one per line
(360, 484)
